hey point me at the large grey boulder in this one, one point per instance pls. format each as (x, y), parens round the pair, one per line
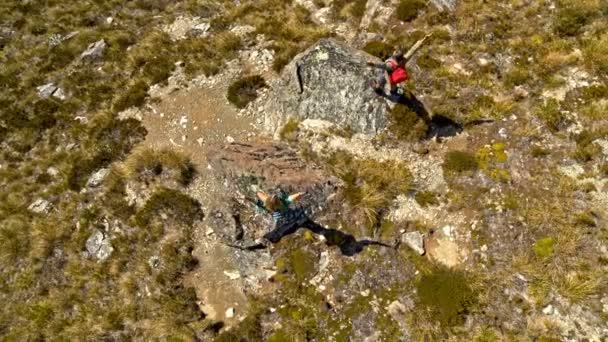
(329, 81)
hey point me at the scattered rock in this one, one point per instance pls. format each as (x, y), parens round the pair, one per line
(415, 241)
(46, 90)
(98, 245)
(183, 26)
(230, 312)
(200, 29)
(548, 310)
(223, 223)
(40, 206)
(97, 178)
(94, 51)
(154, 261)
(503, 133)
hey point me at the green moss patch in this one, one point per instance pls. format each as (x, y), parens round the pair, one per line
(544, 247)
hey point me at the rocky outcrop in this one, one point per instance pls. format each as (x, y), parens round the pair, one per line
(445, 4)
(329, 81)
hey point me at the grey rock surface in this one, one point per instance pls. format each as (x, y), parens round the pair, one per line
(97, 178)
(415, 241)
(445, 4)
(40, 206)
(329, 81)
(98, 245)
(95, 50)
(46, 90)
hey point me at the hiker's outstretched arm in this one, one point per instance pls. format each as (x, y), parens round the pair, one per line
(295, 196)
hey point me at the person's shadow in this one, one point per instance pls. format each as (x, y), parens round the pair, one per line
(347, 243)
(439, 125)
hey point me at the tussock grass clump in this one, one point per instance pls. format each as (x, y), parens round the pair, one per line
(447, 295)
(349, 9)
(408, 10)
(551, 114)
(379, 49)
(245, 90)
(571, 18)
(406, 125)
(369, 185)
(135, 96)
(426, 198)
(178, 206)
(460, 161)
(144, 164)
(290, 129)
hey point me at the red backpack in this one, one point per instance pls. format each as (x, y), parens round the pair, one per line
(399, 73)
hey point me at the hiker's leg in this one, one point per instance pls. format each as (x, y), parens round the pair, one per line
(313, 227)
(280, 230)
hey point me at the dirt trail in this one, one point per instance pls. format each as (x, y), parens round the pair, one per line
(194, 121)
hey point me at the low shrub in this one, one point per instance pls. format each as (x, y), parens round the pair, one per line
(551, 114)
(290, 129)
(179, 206)
(408, 10)
(570, 20)
(459, 161)
(135, 96)
(245, 90)
(379, 49)
(447, 295)
(426, 198)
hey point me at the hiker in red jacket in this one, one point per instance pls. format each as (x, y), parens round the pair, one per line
(395, 67)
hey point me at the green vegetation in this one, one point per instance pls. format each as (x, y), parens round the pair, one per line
(447, 295)
(406, 125)
(245, 90)
(426, 198)
(544, 247)
(570, 18)
(459, 161)
(370, 186)
(551, 114)
(290, 129)
(408, 10)
(379, 49)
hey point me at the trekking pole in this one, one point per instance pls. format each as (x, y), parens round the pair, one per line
(416, 47)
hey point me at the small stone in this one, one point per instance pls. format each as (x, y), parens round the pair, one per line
(484, 248)
(548, 310)
(233, 275)
(415, 241)
(483, 62)
(40, 206)
(200, 141)
(59, 94)
(230, 312)
(229, 139)
(154, 261)
(109, 20)
(97, 178)
(98, 245)
(503, 133)
(95, 50)
(52, 171)
(365, 293)
(46, 90)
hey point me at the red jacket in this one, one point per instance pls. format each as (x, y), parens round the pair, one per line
(399, 73)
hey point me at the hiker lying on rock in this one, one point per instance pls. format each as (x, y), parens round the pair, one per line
(394, 67)
(286, 218)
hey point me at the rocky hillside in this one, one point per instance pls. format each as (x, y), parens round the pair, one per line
(473, 207)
